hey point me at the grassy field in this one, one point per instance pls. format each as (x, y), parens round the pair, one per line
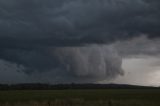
(109, 97)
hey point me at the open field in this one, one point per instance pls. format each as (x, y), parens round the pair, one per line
(108, 97)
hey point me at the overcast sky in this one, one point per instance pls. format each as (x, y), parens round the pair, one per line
(80, 41)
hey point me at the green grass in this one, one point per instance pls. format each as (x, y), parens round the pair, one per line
(109, 97)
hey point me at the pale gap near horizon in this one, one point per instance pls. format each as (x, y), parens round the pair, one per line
(139, 71)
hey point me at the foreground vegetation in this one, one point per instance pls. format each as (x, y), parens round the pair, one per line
(108, 97)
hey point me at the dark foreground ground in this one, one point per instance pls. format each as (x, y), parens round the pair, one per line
(99, 97)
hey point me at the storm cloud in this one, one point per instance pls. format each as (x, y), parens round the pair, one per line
(76, 40)
(75, 22)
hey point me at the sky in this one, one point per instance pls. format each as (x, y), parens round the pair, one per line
(80, 41)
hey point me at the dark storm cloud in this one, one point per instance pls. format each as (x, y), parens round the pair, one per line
(73, 22)
(44, 35)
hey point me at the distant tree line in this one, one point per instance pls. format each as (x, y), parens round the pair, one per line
(38, 86)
